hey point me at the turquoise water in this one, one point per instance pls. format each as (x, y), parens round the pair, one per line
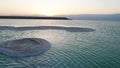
(97, 49)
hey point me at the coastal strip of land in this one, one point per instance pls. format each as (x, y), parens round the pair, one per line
(34, 17)
(66, 28)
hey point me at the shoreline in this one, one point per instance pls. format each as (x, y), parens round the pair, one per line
(66, 28)
(34, 17)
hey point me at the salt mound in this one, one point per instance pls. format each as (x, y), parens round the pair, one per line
(24, 47)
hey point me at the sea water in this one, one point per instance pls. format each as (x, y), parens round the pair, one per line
(95, 49)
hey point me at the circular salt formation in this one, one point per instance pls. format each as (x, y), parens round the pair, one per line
(24, 47)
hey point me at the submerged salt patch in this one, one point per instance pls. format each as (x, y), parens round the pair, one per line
(24, 47)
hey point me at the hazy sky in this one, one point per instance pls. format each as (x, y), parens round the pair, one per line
(59, 7)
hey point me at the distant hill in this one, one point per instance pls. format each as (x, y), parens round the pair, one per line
(94, 17)
(33, 17)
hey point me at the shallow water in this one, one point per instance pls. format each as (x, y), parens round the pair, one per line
(96, 49)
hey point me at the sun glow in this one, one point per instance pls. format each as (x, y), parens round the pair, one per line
(48, 13)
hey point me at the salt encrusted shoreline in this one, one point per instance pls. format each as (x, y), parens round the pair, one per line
(66, 28)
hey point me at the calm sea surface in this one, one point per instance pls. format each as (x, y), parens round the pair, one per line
(97, 49)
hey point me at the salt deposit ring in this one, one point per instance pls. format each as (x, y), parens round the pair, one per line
(24, 47)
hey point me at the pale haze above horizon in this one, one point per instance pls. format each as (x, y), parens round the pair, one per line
(58, 7)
